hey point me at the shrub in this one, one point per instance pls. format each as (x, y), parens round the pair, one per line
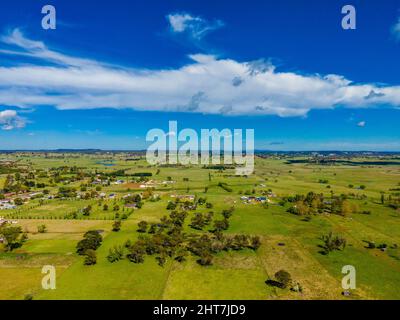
(137, 253)
(115, 254)
(333, 242)
(90, 257)
(42, 228)
(142, 226)
(116, 225)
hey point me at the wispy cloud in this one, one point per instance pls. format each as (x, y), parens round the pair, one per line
(396, 30)
(195, 27)
(206, 85)
(38, 49)
(361, 124)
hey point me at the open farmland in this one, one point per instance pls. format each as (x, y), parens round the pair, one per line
(288, 204)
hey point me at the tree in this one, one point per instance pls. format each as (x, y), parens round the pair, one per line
(205, 259)
(161, 259)
(181, 255)
(255, 242)
(116, 225)
(86, 211)
(283, 278)
(13, 237)
(198, 221)
(42, 228)
(227, 213)
(66, 192)
(142, 226)
(91, 240)
(348, 207)
(18, 202)
(105, 207)
(115, 254)
(171, 205)
(137, 253)
(220, 225)
(333, 242)
(90, 257)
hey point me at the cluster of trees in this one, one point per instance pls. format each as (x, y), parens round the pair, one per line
(134, 199)
(166, 239)
(17, 183)
(88, 245)
(12, 237)
(199, 220)
(66, 192)
(314, 203)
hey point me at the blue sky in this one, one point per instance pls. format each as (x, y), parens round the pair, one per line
(111, 71)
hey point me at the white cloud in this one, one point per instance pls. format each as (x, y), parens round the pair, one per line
(361, 124)
(396, 29)
(206, 85)
(195, 26)
(9, 120)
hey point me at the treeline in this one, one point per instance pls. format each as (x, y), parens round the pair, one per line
(225, 186)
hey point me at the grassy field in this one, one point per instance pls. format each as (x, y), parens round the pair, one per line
(289, 241)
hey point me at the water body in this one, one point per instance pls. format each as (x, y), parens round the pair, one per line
(106, 164)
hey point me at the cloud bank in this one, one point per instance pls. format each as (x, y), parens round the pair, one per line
(207, 84)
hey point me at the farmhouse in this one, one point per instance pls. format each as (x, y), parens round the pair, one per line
(5, 221)
(253, 199)
(131, 205)
(2, 221)
(149, 184)
(168, 182)
(187, 197)
(6, 204)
